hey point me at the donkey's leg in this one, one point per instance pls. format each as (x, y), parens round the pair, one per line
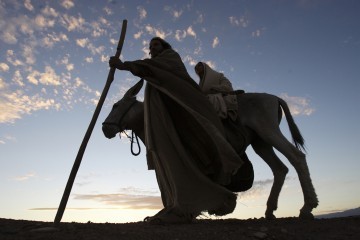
(298, 160)
(266, 152)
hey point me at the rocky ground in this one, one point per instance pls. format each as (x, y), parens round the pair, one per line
(283, 228)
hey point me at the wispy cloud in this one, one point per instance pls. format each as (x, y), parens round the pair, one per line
(190, 31)
(108, 11)
(138, 35)
(128, 198)
(215, 42)
(298, 105)
(180, 35)
(72, 23)
(239, 21)
(2, 84)
(24, 177)
(260, 189)
(67, 4)
(15, 104)
(28, 5)
(82, 42)
(156, 31)
(4, 67)
(7, 138)
(142, 12)
(256, 33)
(52, 38)
(79, 209)
(175, 13)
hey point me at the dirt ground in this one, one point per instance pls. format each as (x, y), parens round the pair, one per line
(282, 228)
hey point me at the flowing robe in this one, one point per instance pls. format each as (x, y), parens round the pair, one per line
(185, 139)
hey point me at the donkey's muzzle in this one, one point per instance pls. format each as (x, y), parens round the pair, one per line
(109, 130)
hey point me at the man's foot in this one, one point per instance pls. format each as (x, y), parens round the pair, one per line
(170, 216)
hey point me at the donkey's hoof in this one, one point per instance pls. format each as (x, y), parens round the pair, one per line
(306, 215)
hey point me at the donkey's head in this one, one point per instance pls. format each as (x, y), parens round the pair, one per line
(117, 120)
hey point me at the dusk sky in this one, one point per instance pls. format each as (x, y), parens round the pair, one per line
(54, 65)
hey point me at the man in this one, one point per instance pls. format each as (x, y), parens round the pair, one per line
(185, 140)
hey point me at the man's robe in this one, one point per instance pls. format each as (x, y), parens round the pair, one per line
(185, 139)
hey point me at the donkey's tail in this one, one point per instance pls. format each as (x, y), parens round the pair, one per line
(294, 130)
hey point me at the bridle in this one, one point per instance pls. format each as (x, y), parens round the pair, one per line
(132, 142)
(133, 135)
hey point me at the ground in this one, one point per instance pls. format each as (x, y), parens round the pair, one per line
(251, 229)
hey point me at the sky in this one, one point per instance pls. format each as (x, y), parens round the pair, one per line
(54, 65)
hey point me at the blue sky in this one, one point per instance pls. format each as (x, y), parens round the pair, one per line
(53, 67)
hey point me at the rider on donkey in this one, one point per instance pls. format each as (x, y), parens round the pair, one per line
(222, 96)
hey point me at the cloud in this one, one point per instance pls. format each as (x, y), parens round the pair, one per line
(108, 11)
(49, 11)
(3, 85)
(11, 58)
(138, 35)
(82, 42)
(67, 4)
(4, 67)
(95, 50)
(298, 105)
(28, 54)
(191, 31)
(14, 105)
(177, 14)
(258, 32)
(42, 22)
(31, 81)
(18, 79)
(65, 61)
(142, 12)
(215, 42)
(174, 13)
(73, 23)
(81, 209)
(128, 198)
(97, 29)
(211, 64)
(49, 77)
(190, 60)
(260, 189)
(9, 35)
(52, 38)
(239, 22)
(89, 59)
(24, 177)
(180, 35)
(156, 31)
(28, 5)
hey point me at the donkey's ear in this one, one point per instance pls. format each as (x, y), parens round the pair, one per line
(134, 90)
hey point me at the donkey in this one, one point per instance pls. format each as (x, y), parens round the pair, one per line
(260, 115)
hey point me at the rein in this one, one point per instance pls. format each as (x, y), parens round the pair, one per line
(132, 133)
(132, 142)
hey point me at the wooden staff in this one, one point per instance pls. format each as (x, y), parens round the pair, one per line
(82, 148)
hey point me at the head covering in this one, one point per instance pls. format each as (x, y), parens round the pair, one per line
(210, 78)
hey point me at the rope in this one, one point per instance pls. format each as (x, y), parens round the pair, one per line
(132, 142)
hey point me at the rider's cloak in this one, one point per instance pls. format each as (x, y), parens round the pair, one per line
(185, 139)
